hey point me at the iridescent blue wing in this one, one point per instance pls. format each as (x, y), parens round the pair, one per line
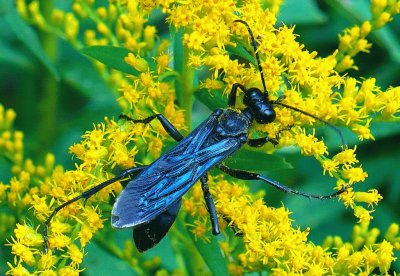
(167, 179)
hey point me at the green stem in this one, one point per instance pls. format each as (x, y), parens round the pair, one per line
(48, 103)
(191, 260)
(187, 89)
(184, 86)
(176, 236)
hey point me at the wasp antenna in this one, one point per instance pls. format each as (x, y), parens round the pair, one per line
(254, 43)
(316, 118)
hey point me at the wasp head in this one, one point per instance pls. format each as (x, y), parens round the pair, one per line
(259, 106)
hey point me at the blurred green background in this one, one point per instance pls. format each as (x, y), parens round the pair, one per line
(58, 95)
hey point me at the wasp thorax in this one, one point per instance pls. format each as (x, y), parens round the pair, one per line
(232, 122)
(259, 106)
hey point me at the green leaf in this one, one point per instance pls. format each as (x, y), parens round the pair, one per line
(241, 51)
(112, 57)
(211, 253)
(300, 12)
(169, 76)
(251, 160)
(389, 41)
(11, 55)
(27, 36)
(382, 130)
(101, 262)
(357, 11)
(85, 79)
(177, 38)
(212, 100)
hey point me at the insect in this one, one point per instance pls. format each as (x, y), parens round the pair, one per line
(151, 200)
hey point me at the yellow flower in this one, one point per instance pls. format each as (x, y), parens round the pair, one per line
(362, 214)
(346, 157)
(138, 63)
(75, 255)
(28, 236)
(59, 241)
(330, 166)
(392, 235)
(85, 234)
(41, 208)
(47, 261)
(180, 16)
(68, 271)
(93, 218)
(363, 131)
(71, 26)
(17, 270)
(310, 145)
(389, 102)
(370, 197)
(354, 174)
(199, 230)
(24, 252)
(195, 40)
(385, 256)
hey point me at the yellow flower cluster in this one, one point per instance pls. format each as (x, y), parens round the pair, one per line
(341, 166)
(108, 145)
(271, 241)
(122, 24)
(19, 193)
(308, 82)
(353, 40)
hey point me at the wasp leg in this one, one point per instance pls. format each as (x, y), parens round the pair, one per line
(169, 128)
(259, 142)
(210, 205)
(232, 94)
(86, 195)
(245, 175)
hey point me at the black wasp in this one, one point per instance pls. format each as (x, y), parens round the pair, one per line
(151, 200)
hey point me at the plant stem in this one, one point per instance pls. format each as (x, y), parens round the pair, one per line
(48, 102)
(187, 89)
(184, 86)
